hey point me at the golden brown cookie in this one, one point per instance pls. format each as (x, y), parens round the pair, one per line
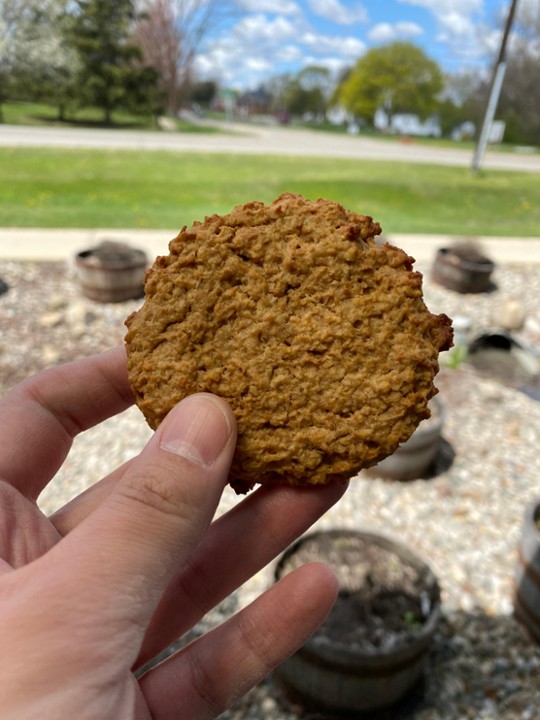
(317, 337)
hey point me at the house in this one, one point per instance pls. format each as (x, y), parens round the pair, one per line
(254, 102)
(407, 124)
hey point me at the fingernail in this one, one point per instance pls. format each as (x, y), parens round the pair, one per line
(197, 429)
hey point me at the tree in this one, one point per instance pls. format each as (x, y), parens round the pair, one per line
(110, 64)
(170, 33)
(519, 104)
(398, 78)
(160, 40)
(461, 101)
(308, 92)
(42, 64)
(204, 92)
(8, 23)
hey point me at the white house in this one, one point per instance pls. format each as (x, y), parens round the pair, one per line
(407, 124)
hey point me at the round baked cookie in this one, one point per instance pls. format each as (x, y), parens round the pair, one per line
(317, 336)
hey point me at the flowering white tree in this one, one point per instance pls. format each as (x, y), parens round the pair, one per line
(8, 24)
(36, 55)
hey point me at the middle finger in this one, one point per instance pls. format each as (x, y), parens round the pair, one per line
(236, 546)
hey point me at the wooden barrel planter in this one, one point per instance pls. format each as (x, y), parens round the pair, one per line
(371, 650)
(414, 458)
(527, 579)
(463, 269)
(111, 272)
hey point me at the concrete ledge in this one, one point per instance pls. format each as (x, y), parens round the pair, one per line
(52, 244)
(498, 249)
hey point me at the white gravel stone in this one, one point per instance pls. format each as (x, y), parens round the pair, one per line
(465, 522)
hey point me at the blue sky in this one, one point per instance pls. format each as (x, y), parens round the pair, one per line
(270, 37)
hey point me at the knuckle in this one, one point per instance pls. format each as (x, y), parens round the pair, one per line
(158, 489)
(257, 641)
(204, 686)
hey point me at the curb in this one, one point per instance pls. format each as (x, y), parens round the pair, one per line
(34, 244)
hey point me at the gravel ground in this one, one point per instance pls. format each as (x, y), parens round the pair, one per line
(465, 521)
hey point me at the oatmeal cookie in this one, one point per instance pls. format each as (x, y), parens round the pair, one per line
(317, 336)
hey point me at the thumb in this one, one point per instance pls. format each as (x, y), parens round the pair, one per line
(132, 545)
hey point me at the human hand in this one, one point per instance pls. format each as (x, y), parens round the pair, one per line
(92, 593)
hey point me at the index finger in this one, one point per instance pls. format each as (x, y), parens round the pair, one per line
(40, 417)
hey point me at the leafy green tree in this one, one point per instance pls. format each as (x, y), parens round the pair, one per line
(301, 101)
(204, 92)
(398, 77)
(100, 32)
(308, 92)
(305, 92)
(278, 87)
(451, 115)
(143, 96)
(316, 77)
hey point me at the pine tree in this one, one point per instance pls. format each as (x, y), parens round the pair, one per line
(100, 32)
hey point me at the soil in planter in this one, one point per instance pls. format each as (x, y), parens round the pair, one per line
(383, 601)
(111, 253)
(469, 252)
(463, 268)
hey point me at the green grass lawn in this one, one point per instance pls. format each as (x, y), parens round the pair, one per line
(40, 114)
(99, 188)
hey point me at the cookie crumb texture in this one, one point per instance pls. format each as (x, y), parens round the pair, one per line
(317, 337)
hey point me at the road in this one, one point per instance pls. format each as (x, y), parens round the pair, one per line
(262, 140)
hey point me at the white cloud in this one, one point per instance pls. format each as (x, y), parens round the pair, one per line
(348, 47)
(260, 46)
(257, 30)
(443, 7)
(460, 26)
(385, 32)
(339, 12)
(257, 65)
(289, 53)
(254, 49)
(335, 65)
(467, 38)
(408, 29)
(455, 25)
(278, 7)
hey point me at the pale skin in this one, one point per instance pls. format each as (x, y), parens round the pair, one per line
(91, 593)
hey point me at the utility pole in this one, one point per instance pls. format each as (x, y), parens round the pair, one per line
(495, 92)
